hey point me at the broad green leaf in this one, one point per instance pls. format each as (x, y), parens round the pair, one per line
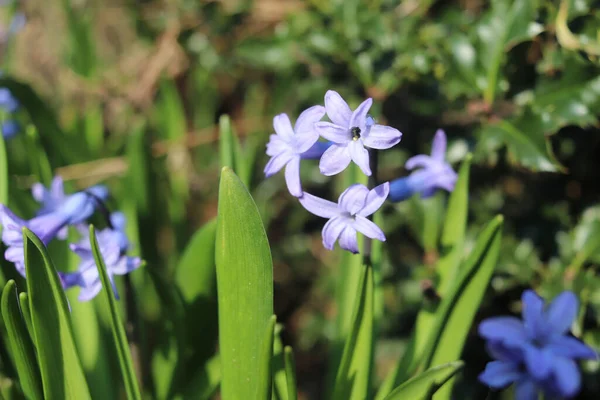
(290, 373)
(60, 367)
(265, 362)
(353, 378)
(119, 336)
(244, 288)
(423, 386)
(20, 343)
(24, 303)
(458, 308)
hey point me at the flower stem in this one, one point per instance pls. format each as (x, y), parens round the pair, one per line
(368, 242)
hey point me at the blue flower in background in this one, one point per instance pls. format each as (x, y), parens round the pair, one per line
(352, 132)
(434, 173)
(53, 219)
(349, 216)
(9, 105)
(113, 245)
(536, 353)
(288, 144)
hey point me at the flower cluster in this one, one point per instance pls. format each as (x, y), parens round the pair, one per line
(58, 211)
(350, 136)
(536, 354)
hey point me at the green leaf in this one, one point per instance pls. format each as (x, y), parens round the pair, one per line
(423, 386)
(455, 226)
(290, 373)
(265, 362)
(118, 331)
(226, 142)
(60, 367)
(205, 382)
(24, 303)
(458, 308)
(244, 288)
(20, 343)
(354, 374)
(280, 388)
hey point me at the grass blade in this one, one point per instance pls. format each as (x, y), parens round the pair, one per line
(423, 386)
(24, 303)
(20, 343)
(265, 367)
(290, 373)
(353, 379)
(129, 377)
(60, 367)
(244, 288)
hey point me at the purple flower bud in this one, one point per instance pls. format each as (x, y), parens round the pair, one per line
(349, 215)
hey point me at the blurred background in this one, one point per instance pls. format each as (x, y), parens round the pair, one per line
(130, 93)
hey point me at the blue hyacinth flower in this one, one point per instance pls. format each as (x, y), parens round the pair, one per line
(434, 173)
(113, 245)
(536, 353)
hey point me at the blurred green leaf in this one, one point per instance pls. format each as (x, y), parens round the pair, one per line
(244, 287)
(226, 142)
(62, 375)
(280, 383)
(353, 380)
(290, 373)
(423, 386)
(119, 336)
(205, 381)
(20, 343)
(458, 307)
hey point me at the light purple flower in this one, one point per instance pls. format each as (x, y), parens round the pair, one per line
(351, 132)
(349, 215)
(287, 145)
(113, 245)
(435, 173)
(45, 227)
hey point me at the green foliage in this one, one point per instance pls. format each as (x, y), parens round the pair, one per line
(244, 286)
(425, 385)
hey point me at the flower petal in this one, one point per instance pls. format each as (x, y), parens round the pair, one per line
(538, 362)
(375, 199)
(276, 163)
(498, 374)
(401, 189)
(420, 160)
(335, 133)
(332, 231)
(316, 150)
(292, 177)
(533, 314)
(305, 140)
(360, 156)
(276, 145)
(526, 389)
(382, 137)
(89, 292)
(334, 160)
(348, 240)
(283, 127)
(368, 228)
(359, 116)
(353, 198)
(307, 119)
(438, 147)
(337, 109)
(567, 346)
(501, 352)
(318, 206)
(566, 376)
(509, 330)
(562, 312)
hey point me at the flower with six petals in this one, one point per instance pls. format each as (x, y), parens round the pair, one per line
(351, 132)
(349, 215)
